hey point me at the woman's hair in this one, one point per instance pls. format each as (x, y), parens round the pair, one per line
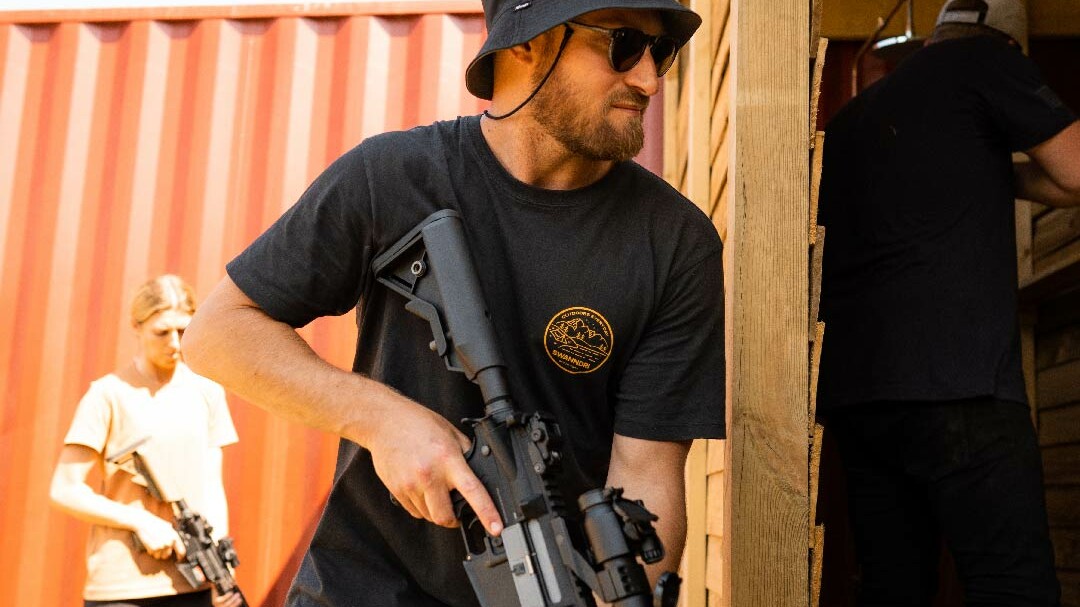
(165, 292)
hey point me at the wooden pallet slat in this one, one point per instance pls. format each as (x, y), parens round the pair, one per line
(1058, 386)
(1058, 260)
(818, 152)
(1061, 507)
(815, 369)
(1058, 347)
(714, 572)
(1059, 426)
(1054, 230)
(815, 86)
(817, 565)
(817, 254)
(716, 456)
(716, 491)
(1066, 541)
(1070, 587)
(815, 475)
(1060, 311)
(1061, 464)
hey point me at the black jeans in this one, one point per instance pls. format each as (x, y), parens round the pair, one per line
(189, 599)
(968, 471)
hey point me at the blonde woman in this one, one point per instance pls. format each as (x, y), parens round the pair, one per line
(187, 419)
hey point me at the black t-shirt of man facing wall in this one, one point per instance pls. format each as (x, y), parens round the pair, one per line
(919, 285)
(607, 300)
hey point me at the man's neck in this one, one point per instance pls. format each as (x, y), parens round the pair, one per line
(534, 157)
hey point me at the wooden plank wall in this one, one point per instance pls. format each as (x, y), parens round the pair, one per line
(1057, 347)
(1050, 284)
(1049, 269)
(697, 160)
(1049, 259)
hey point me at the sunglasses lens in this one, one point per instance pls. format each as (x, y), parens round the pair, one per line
(627, 47)
(663, 52)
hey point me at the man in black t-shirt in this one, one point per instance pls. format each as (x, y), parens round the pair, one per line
(603, 283)
(921, 381)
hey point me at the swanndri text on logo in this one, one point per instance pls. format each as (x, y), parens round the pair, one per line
(571, 359)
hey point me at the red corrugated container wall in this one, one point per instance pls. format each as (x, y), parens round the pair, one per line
(132, 148)
(161, 140)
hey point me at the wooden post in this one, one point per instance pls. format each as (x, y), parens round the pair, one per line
(768, 307)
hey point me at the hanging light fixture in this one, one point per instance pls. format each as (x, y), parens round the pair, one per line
(891, 49)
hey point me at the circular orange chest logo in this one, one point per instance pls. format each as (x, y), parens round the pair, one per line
(578, 340)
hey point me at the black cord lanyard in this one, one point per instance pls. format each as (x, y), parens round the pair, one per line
(566, 39)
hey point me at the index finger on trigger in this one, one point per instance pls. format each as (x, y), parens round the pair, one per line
(464, 480)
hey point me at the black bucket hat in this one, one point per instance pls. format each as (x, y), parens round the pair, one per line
(514, 22)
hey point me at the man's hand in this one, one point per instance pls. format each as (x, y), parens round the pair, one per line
(158, 537)
(229, 599)
(418, 456)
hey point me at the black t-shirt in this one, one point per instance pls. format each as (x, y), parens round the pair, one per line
(626, 262)
(917, 197)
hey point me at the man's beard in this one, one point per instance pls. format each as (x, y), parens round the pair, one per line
(561, 111)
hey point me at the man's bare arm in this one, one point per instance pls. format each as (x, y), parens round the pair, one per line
(1053, 176)
(416, 452)
(654, 471)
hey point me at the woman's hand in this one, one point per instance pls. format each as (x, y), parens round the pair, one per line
(158, 537)
(229, 599)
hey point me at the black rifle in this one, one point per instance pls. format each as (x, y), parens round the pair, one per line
(533, 563)
(214, 559)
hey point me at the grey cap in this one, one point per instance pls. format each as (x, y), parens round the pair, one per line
(514, 22)
(1006, 16)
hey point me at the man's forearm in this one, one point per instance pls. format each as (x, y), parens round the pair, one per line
(671, 528)
(1053, 175)
(653, 471)
(1033, 183)
(415, 451)
(233, 342)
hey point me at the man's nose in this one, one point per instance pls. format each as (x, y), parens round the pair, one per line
(643, 75)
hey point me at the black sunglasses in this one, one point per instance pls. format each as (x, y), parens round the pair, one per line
(628, 47)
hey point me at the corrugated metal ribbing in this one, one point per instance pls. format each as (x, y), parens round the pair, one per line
(132, 148)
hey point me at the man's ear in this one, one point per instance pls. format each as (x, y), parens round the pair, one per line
(535, 50)
(525, 52)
